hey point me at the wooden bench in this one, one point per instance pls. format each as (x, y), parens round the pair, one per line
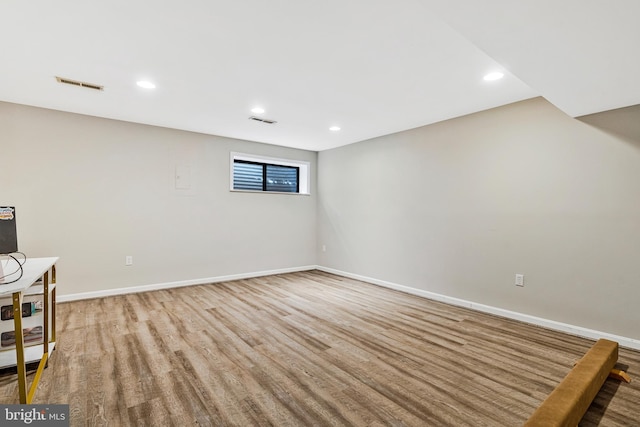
(567, 404)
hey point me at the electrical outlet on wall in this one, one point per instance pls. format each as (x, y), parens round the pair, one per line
(128, 260)
(519, 279)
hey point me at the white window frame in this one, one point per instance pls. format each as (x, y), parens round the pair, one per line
(304, 172)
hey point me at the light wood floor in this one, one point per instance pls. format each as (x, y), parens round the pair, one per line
(307, 349)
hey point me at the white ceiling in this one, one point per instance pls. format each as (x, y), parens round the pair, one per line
(372, 67)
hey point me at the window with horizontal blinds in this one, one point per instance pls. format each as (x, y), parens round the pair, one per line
(282, 178)
(247, 176)
(257, 173)
(256, 176)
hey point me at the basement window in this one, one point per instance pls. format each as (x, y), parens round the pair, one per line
(251, 173)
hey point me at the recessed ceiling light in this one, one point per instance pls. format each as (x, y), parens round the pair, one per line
(496, 75)
(257, 110)
(334, 128)
(146, 84)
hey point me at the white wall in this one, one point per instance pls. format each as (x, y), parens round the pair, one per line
(92, 191)
(459, 207)
(456, 208)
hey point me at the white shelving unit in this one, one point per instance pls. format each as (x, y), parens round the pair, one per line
(32, 354)
(32, 351)
(28, 287)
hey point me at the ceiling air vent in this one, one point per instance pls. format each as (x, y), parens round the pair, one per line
(258, 119)
(79, 83)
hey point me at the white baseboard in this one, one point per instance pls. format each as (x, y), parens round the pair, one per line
(550, 324)
(167, 285)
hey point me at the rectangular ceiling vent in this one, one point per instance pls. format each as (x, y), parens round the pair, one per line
(79, 83)
(258, 119)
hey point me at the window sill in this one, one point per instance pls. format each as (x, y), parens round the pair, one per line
(270, 192)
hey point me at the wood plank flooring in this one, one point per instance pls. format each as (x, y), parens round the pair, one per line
(307, 349)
